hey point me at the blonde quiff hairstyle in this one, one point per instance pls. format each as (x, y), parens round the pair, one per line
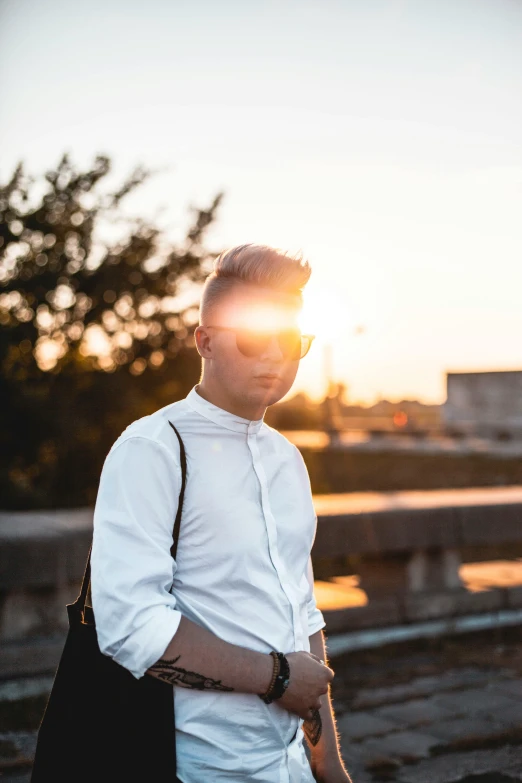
(260, 265)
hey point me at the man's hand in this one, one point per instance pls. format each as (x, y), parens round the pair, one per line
(309, 679)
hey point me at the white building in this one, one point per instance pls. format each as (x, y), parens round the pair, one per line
(487, 404)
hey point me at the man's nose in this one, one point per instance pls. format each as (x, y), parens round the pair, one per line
(273, 350)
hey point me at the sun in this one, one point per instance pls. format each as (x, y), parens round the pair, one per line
(325, 313)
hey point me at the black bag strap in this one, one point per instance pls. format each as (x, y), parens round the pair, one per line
(177, 521)
(86, 581)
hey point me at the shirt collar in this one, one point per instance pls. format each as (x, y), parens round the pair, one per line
(219, 415)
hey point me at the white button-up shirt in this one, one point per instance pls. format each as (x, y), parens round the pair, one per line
(242, 570)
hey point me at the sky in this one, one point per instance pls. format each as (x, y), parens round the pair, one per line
(381, 138)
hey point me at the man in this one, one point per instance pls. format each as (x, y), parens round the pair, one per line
(241, 586)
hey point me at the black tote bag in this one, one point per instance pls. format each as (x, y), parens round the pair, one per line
(101, 724)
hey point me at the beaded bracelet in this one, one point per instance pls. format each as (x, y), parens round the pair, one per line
(275, 671)
(282, 679)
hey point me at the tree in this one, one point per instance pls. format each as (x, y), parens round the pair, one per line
(91, 333)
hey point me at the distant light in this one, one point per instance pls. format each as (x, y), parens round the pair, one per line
(138, 366)
(400, 419)
(157, 358)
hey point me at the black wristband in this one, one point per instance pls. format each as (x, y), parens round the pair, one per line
(281, 681)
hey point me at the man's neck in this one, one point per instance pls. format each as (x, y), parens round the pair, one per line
(215, 395)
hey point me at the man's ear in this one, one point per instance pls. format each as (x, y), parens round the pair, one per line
(202, 339)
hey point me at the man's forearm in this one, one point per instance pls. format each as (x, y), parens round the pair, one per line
(326, 752)
(198, 659)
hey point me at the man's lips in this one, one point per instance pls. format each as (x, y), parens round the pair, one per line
(268, 375)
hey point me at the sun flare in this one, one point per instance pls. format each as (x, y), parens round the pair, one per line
(325, 313)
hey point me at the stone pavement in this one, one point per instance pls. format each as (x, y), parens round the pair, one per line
(433, 711)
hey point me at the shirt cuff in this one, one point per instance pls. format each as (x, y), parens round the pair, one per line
(147, 644)
(316, 621)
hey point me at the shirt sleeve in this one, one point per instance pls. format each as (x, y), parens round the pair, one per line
(131, 565)
(316, 620)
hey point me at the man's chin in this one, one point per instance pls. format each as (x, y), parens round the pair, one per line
(271, 394)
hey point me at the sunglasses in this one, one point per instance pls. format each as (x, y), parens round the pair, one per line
(251, 342)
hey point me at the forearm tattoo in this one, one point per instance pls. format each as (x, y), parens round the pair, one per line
(168, 672)
(313, 728)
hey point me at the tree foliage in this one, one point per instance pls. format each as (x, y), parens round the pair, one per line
(92, 334)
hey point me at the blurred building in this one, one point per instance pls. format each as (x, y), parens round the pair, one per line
(487, 404)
